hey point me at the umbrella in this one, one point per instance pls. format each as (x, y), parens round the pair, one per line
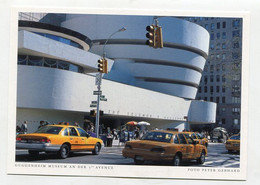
(143, 123)
(131, 123)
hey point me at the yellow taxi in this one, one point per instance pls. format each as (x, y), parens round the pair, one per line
(162, 145)
(233, 143)
(61, 139)
(199, 137)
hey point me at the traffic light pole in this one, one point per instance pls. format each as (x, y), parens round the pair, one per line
(99, 82)
(98, 100)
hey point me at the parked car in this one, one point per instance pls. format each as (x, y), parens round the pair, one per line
(233, 143)
(162, 145)
(61, 139)
(198, 137)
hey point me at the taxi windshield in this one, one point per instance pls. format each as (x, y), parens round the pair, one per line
(235, 137)
(158, 136)
(49, 130)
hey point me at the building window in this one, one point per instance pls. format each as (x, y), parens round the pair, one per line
(211, 99)
(212, 26)
(217, 99)
(223, 89)
(205, 99)
(223, 121)
(205, 79)
(206, 68)
(223, 78)
(212, 36)
(212, 46)
(236, 111)
(211, 68)
(236, 45)
(217, 78)
(211, 89)
(236, 33)
(224, 35)
(217, 89)
(223, 67)
(235, 23)
(236, 77)
(223, 24)
(205, 89)
(236, 121)
(199, 98)
(206, 26)
(223, 99)
(235, 55)
(211, 78)
(236, 99)
(218, 46)
(217, 56)
(218, 36)
(218, 25)
(218, 67)
(224, 46)
(223, 56)
(199, 89)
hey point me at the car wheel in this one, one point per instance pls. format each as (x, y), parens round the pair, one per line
(202, 157)
(64, 151)
(96, 149)
(33, 153)
(138, 161)
(177, 160)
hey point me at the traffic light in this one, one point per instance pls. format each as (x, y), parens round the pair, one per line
(102, 65)
(158, 37)
(155, 36)
(93, 113)
(150, 35)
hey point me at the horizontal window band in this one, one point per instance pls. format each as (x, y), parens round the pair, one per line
(142, 42)
(167, 63)
(50, 27)
(169, 81)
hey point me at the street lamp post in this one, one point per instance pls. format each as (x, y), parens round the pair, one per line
(99, 78)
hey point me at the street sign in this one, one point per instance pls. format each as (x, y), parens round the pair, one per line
(93, 102)
(103, 99)
(102, 96)
(97, 92)
(93, 105)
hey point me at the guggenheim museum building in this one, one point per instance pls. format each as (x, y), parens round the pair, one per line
(58, 61)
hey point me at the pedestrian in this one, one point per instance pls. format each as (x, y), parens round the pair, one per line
(18, 130)
(24, 128)
(41, 124)
(76, 124)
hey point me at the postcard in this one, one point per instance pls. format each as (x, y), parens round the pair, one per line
(139, 95)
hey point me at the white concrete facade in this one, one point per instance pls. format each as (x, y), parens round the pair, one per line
(187, 48)
(157, 85)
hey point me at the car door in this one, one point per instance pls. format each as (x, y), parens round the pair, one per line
(190, 147)
(85, 143)
(74, 138)
(183, 146)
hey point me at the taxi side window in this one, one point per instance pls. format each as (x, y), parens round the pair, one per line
(73, 131)
(190, 141)
(65, 132)
(182, 139)
(82, 133)
(193, 136)
(176, 139)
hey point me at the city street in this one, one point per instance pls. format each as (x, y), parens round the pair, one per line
(217, 157)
